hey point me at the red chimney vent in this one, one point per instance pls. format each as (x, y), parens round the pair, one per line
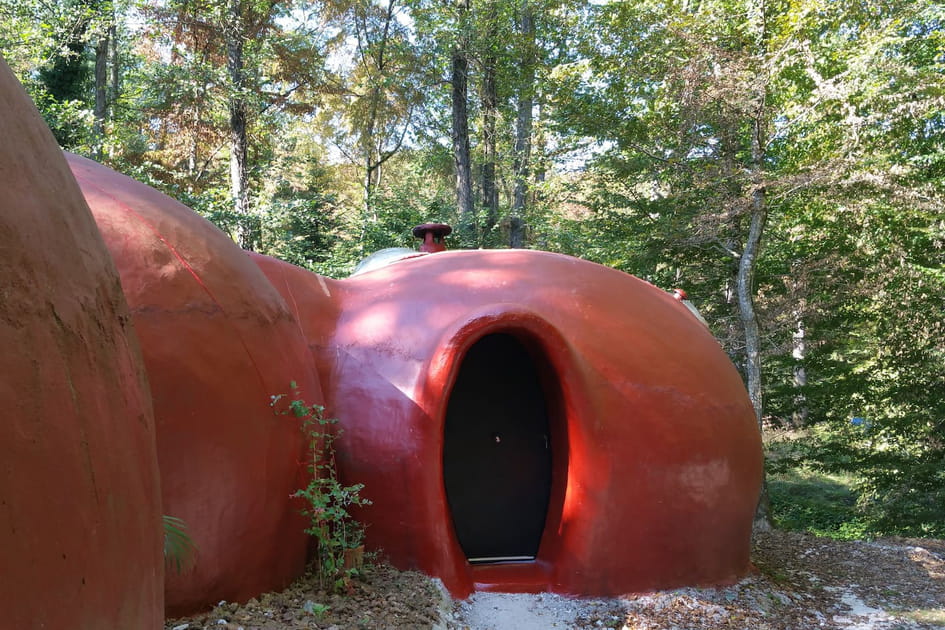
(432, 235)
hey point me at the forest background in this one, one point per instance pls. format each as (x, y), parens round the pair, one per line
(783, 161)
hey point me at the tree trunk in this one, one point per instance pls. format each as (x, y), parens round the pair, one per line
(247, 230)
(100, 111)
(756, 14)
(373, 146)
(464, 200)
(368, 183)
(523, 130)
(746, 307)
(115, 88)
(193, 151)
(744, 288)
(490, 193)
(798, 352)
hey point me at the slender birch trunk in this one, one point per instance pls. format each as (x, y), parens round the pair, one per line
(461, 151)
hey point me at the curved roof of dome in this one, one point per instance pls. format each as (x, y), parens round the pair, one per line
(384, 257)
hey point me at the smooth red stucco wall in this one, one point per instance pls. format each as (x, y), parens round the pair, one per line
(312, 301)
(80, 519)
(658, 458)
(218, 342)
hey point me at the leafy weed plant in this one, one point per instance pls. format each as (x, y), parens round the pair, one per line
(179, 548)
(327, 500)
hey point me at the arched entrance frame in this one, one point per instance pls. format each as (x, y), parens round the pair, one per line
(561, 379)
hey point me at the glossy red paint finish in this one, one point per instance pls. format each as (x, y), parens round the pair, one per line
(80, 519)
(656, 458)
(218, 342)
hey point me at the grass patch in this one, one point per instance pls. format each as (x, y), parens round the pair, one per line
(931, 616)
(878, 493)
(816, 502)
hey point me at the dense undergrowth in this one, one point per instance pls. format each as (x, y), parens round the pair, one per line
(810, 490)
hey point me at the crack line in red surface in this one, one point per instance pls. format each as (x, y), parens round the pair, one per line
(186, 266)
(295, 304)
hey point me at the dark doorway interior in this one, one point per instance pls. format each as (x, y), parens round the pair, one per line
(496, 452)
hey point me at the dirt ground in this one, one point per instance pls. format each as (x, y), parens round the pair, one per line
(802, 582)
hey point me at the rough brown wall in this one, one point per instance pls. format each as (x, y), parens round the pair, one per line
(80, 526)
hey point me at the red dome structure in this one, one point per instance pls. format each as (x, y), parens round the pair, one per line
(80, 508)
(218, 341)
(527, 421)
(522, 421)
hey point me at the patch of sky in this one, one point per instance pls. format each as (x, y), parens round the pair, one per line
(706, 150)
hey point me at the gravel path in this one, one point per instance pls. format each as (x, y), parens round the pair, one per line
(803, 583)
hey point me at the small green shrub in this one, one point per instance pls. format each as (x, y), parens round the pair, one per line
(327, 501)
